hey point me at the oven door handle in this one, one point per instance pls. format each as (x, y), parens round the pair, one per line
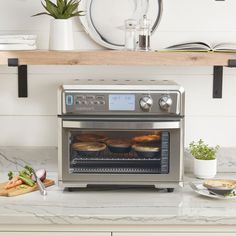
(122, 125)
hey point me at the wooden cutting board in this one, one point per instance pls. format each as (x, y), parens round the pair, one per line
(22, 189)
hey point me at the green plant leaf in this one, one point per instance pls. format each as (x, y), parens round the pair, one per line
(42, 13)
(63, 9)
(60, 6)
(50, 3)
(202, 151)
(71, 9)
(77, 14)
(51, 8)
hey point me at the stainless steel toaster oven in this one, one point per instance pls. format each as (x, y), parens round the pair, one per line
(113, 133)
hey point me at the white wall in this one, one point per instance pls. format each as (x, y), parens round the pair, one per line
(32, 121)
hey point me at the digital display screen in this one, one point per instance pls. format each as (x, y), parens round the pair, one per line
(121, 102)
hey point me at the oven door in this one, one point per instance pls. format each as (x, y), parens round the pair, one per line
(120, 152)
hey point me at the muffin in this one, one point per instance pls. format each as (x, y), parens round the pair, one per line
(90, 138)
(146, 151)
(119, 145)
(88, 149)
(147, 138)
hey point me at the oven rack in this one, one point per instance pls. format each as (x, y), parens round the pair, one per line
(115, 159)
(106, 155)
(114, 170)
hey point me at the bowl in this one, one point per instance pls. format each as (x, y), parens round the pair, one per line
(88, 149)
(119, 145)
(220, 186)
(146, 151)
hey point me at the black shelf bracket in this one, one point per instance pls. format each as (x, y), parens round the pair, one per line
(22, 77)
(218, 78)
(217, 81)
(232, 63)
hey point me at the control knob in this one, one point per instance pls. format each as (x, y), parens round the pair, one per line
(146, 103)
(165, 102)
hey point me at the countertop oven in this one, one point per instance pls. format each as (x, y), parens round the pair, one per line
(121, 134)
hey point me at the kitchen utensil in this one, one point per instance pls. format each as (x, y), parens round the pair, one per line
(135, 110)
(41, 186)
(130, 34)
(144, 34)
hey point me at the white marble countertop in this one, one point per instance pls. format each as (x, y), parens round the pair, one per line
(119, 207)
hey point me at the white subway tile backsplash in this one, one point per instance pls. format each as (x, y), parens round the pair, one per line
(28, 130)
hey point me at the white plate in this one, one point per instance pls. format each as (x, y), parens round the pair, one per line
(200, 189)
(104, 19)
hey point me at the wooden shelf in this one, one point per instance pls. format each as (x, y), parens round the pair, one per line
(110, 57)
(124, 58)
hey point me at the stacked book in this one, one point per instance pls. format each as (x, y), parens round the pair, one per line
(18, 42)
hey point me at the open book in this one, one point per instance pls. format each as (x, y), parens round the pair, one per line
(203, 47)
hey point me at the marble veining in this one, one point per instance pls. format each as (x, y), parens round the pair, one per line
(109, 206)
(121, 206)
(38, 157)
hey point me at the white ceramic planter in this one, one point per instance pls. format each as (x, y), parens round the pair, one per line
(205, 169)
(61, 35)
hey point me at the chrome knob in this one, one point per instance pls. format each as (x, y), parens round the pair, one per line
(165, 102)
(146, 103)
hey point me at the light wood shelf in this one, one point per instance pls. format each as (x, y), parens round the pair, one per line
(123, 58)
(110, 57)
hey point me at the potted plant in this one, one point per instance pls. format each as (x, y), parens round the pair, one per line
(61, 32)
(205, 162)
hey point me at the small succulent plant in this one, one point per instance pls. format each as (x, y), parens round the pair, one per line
(202, 151)
(62, 9)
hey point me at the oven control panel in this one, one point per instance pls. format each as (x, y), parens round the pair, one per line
(84, 100)
(121, 103)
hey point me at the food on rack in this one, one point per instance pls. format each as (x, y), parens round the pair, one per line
(89, 146)
(146, 150)
(147, 138)
(91, 138)
(119, 145)
(88, 149)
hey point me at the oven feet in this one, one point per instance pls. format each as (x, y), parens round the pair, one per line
(170, 190)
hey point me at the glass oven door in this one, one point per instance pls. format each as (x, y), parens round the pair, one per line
(92, 148)
(119, 152)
